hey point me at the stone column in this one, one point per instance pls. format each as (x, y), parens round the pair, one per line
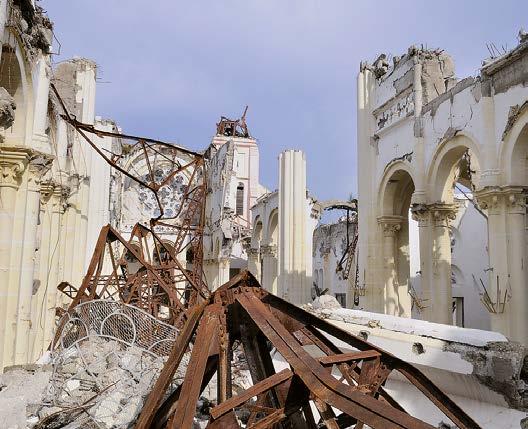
(12, 166)
(27, 270)
(268, 253)
(292, 274)
(390, 226)
(506, 207)
(423, 216)
(492, 201)
(254, 263)
(441, 293)
(38, 303)
(515, 199)
(223, 271)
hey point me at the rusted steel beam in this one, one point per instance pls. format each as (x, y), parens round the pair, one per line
(180, 347)
(347, 357)
(375, 413)
(414, 375)
(255, 390)
(207, 331)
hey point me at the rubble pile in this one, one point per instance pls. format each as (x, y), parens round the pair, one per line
(22, 391)
(106, 379)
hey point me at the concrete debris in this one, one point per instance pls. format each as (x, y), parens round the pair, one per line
(513, 115)
(22, 390)
(7, 109)
(34, 27)
(108, 379)
(503, 368)
(325, 302)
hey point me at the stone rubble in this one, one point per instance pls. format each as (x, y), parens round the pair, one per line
(99, 383)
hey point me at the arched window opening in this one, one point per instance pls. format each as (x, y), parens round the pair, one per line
(11, 80)
(240, 199)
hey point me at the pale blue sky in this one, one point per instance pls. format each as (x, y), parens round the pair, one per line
(170, 69)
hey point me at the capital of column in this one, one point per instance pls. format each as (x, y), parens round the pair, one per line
(268, 250)
(438, 213)
(38, 166)
(13, 162)
(252, 252)
(512, 198)
(390, 224)
(443, 213)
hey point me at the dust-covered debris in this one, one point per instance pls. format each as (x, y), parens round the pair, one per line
(22, 391)
(7, 109)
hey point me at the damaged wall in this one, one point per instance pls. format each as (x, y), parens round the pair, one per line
(481, 371)
(420, 131)
(329, 246)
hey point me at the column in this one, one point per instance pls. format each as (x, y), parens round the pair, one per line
(423, 216)
(38, 304)
(390, 226)
(223, 271)
(517, 314)
(268, 253)
(292, 275)
(254, 263)
(12, 165)
(441, 297)
(27, 266)
(492, 201)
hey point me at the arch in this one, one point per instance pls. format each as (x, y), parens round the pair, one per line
(256, 238)
(396, 188)
(273, 227)
(15, 79)
(395, 195)
(513, 156)
(446, 164)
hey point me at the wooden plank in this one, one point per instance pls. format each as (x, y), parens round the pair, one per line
(327, 414)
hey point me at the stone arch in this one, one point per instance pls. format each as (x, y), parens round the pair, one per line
(273, 227)
(445, 166)
(397, 179)
(256, 237)
(14, 77)
(513, 155)
(395, 194)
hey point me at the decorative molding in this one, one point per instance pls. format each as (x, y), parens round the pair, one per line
(268, 250)
(390, 224)
(438, 213)
(443, 213)
(38, 166)
(13, 162)
(513, 198)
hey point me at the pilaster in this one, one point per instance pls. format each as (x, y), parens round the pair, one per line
(37, 168)
(13, 163)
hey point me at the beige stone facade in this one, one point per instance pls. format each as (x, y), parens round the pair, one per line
(421, 133)
(45, 182)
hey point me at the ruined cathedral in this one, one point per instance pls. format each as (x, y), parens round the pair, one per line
(144, 284)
